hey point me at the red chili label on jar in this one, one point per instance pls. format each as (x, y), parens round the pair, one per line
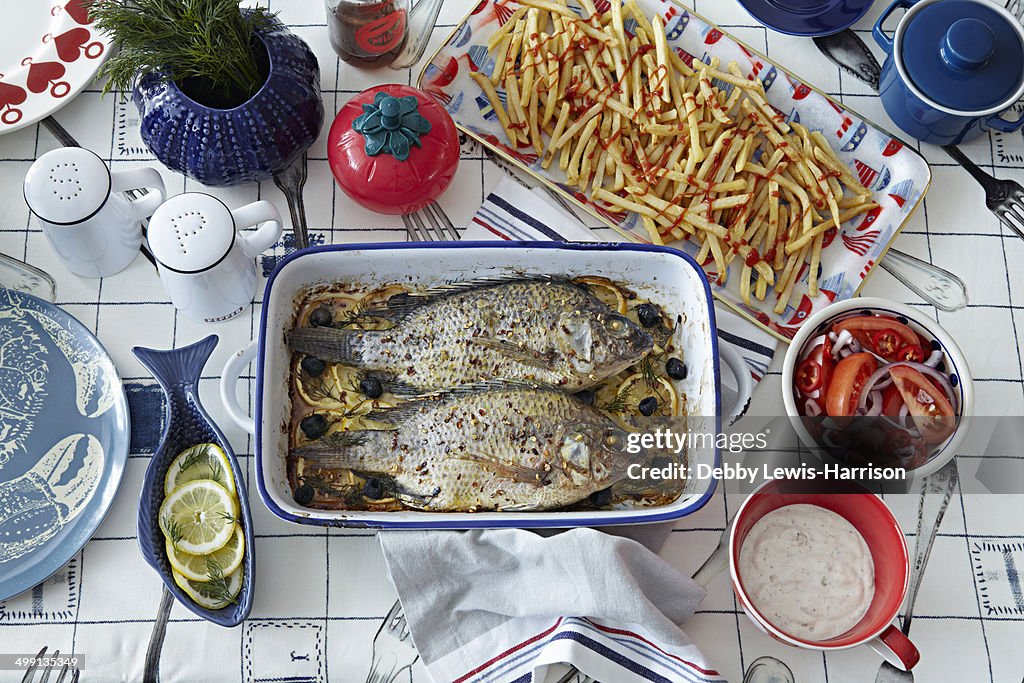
(381, 35)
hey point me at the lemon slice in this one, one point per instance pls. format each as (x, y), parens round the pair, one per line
(199, 517)
(326, 391)
(194, 567)
(203, 461)
(211, 595)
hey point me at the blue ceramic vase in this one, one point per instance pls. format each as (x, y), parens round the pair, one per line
(249, 142)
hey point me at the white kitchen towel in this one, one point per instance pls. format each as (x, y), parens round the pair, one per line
(513, 606)
(514, 212)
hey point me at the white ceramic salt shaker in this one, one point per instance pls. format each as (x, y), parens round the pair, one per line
(93, 228)
(206, 263)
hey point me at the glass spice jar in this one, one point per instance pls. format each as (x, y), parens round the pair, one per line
(368, 32)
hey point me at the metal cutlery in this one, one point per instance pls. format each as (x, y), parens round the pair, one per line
(768, 670)
(62, 672)
(291, 181)
(937, 490)
(393, 651)
(1004, 198)
(430, 224)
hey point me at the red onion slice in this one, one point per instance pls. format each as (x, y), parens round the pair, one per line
(934, 359)
(811, 408)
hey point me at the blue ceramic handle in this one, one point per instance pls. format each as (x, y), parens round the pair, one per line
(880, 36)
(999, 123)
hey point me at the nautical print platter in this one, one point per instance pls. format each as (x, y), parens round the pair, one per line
(897, 174)
(49, 52)
(64, 438)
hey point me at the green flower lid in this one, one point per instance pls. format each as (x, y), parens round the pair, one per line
(391, 125)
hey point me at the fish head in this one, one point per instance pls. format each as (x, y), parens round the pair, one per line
(595, 454)
(600, 342)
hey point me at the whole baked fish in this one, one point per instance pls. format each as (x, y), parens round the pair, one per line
(491, 446)
(535, 330)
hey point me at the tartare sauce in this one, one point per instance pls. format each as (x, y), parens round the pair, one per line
(808, 571)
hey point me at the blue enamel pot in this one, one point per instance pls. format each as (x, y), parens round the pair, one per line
(249, 142)
(952, 68)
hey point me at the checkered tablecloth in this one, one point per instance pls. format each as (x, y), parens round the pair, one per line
(322, 593)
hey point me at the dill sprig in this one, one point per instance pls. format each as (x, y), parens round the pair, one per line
(201, 454)
(217, 588)
(172, 529)
(354, 318)
(348, 492)
(619, 402)
(211, 40)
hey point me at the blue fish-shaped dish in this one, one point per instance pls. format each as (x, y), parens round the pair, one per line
(188, 424)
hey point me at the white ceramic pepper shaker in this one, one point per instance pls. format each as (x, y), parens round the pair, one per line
(206, 263)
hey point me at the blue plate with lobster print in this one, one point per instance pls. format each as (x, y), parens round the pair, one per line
(64, 438)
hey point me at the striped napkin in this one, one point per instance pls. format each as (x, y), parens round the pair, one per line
(515, 212)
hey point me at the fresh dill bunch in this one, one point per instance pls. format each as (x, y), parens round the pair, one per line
(208, 40)
(217, 587)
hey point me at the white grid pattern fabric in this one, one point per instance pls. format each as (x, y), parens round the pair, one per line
(322, 593)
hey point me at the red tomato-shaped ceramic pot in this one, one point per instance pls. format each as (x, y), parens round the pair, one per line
(393, 149)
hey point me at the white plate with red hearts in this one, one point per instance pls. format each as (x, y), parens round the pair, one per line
(49, 52)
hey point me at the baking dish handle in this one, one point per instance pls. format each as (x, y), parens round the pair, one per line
(744, 382)
(228, 387)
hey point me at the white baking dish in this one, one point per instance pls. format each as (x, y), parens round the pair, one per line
(663, 275)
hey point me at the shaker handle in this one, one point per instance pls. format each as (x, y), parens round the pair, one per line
(896, 648)
(879, 33)
(421, 22)
(744, 382)
(266, 236)
(135, 178)
(228, 387)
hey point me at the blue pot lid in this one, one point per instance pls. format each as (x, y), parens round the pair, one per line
(964, 55)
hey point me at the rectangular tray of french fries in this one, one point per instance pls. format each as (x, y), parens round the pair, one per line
(672, 132)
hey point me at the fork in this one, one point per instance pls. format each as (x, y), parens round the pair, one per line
(936, 492)
(30, 673)
(430, 224)
(1016, 8)
(1004, 198)
(393, 652)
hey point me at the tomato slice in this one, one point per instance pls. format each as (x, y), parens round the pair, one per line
(808, 375)
(892, 401)
(912, 353)
(862, 327)
(886, 342)
(933, 414)
(847, 381)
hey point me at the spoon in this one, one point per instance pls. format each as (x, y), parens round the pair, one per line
(937, 286)
(936, 491)
(291, 181)
(768, 670)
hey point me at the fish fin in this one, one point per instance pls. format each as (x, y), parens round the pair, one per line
(328, 343)
(410, 408)
(517, 473)
(545, 360)
(520, 507)
(340, 450)
(401, 305)
(181, 366)
(393, 385)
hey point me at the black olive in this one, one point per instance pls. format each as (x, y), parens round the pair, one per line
(313, 366)
(648, 314)
(321, 316)
(601, 498)
(303, 495)
(373, 489)
(587, 396)
(676, 368)
(313, 426)
(371, 387)
(648, 406)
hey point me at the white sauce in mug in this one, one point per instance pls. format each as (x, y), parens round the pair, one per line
(808, 571)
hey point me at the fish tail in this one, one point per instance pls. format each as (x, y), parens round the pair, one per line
(355, 450)
(329, 344)
(177, 367)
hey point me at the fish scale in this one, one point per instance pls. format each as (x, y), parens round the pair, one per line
(540, 330)
(487, 447)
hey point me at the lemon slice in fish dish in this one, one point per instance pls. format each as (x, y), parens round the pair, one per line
(199, 517)
(202, 461)
(196, 567)
(212, 594)
(604, 284)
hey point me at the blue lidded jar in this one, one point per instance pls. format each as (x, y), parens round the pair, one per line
(953, 67)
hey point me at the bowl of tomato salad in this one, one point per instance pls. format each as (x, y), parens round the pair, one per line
(872, 381)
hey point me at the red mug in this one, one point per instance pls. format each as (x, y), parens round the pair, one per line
(884, 537)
